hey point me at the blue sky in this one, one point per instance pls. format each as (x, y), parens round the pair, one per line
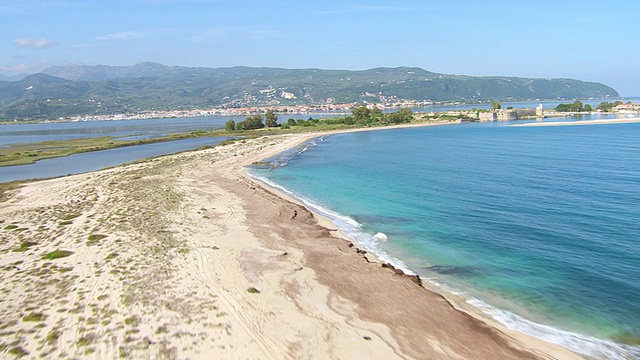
(585, 40)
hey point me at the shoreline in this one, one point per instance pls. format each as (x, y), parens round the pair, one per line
(456, 301)
(187, 256)
(522, 329)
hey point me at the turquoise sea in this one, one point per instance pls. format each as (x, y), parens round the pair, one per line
(538, 227)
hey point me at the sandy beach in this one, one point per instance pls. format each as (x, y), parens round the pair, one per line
(187, 257)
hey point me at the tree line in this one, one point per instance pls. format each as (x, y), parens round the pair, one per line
(360, 116)
(577, 106)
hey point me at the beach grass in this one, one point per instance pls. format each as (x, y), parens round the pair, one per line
(5, 188)
(57, 254)
(95, 238)
(18, 352)
(25, 245)
(34, 317)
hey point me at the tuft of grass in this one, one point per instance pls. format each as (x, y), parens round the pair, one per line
(94, 238)
(25, 246)
(56, 254)
(253, 290)
(34, 317)
(133, 321)
(162, 330)
(83, 341)
(10, 227)
(5, 188)
(52, 337)
(18, 352)
(113, 255)
(70, 217)
(64, 223)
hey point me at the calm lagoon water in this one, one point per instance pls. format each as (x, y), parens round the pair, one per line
(123, 129)
(97, 160)
(126, 129)
(538, 227)
(29, 133)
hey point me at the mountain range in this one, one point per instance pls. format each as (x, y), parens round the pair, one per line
(84, 90)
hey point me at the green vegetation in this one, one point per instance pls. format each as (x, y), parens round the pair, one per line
(18, 352)
(25, 245)
(20, 154)
(131, 321)
(5, 188)
(250, 123)
(70, 216)
(230, 125)
(10, 227)
(52, 337)
(253, 290)
(363, 116)
(57, 254)
(271, 120)
(577, 106)
(94, 238)
(113, 255)
(608, 106)
(98, 90)
(495, 105)
(34, 317)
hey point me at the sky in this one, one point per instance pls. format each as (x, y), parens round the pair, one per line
(585, 40)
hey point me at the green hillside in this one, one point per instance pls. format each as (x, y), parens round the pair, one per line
(81, 90)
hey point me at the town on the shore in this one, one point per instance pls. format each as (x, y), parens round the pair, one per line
(493, 114)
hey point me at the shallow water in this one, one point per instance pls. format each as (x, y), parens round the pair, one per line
(97, 160)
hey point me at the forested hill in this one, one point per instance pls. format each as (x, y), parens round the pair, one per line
(80, 90)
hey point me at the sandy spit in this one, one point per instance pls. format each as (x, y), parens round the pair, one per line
(187, 257)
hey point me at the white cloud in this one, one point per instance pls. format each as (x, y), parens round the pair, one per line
(42, 43)
(35, 44)
(123, 35)
(22, 42)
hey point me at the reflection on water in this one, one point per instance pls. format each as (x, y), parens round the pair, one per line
(29, 133)
(85, 162)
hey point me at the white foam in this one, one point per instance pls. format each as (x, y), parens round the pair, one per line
(347, 225)
(579, 343)
(381, 236)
